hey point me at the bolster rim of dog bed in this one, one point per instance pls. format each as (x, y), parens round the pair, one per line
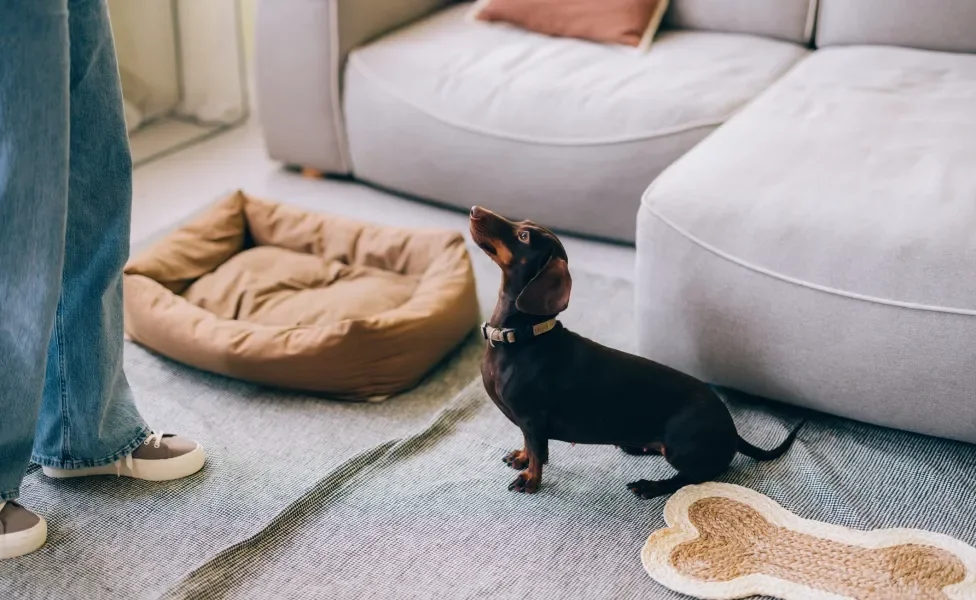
(362, 358)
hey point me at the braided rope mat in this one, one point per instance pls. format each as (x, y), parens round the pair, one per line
(724, 541)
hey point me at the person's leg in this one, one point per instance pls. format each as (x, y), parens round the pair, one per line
(33, 207)
(88, 417)
(65, 203)
(89, 424)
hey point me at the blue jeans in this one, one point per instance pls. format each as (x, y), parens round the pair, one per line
(65, 207)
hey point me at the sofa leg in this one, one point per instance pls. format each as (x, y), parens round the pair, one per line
(312, 173)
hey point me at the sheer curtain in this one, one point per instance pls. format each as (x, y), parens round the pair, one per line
(181, 59)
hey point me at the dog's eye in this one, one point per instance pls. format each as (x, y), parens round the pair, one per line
(524, 236)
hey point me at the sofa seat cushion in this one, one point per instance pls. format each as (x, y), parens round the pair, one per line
(870, 149)
(276, 295)
(847, 194)
(448, 103)
(503, 81)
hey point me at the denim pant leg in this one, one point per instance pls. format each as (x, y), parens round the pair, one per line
(33, 207)
(88, 417)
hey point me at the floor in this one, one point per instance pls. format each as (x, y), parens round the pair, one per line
(173, 188)
(166, 135)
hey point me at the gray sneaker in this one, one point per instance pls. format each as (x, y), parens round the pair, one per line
(162, 457)
(21, 531)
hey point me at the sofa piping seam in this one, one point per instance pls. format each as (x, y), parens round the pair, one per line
(807, 284)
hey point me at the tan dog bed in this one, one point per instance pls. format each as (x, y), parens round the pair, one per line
(277, 295)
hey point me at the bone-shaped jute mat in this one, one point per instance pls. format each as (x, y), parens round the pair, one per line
(724, 541)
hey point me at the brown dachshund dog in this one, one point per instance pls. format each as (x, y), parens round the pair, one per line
(556, 385)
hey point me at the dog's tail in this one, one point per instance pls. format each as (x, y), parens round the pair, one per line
(758, 453)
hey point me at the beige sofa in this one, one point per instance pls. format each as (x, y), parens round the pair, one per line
(809, 233)
(412, 96)
(820, 248)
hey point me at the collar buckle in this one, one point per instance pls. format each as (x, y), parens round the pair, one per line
(497, 335)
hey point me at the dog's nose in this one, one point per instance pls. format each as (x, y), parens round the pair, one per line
(476, 212)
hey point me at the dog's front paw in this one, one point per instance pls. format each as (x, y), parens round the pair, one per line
(525, 484)
(517, 459)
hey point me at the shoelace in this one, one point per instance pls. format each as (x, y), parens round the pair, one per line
(154, 438)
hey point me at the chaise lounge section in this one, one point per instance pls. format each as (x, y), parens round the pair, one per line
(819, 248)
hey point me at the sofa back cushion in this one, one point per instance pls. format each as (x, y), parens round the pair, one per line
(948, 25)
(790, 20)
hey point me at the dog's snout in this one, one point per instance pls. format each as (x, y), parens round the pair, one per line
(476, 212)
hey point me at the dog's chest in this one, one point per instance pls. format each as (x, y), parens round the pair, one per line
(490, 381)
(513, 382)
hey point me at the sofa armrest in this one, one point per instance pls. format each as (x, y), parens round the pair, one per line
(301, 49)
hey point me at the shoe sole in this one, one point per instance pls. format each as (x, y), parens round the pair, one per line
(165, 469)
(24, 542)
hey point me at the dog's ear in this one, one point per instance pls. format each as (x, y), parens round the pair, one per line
(548, 292)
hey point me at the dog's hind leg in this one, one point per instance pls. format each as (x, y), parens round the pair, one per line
(655, 449)
(651, 489)
(700, 474)
(696, 463)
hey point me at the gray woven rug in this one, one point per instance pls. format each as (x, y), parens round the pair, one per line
(307, 498)
(428, 515)
(118, 538)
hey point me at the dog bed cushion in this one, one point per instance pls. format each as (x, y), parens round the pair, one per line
(276, 295)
